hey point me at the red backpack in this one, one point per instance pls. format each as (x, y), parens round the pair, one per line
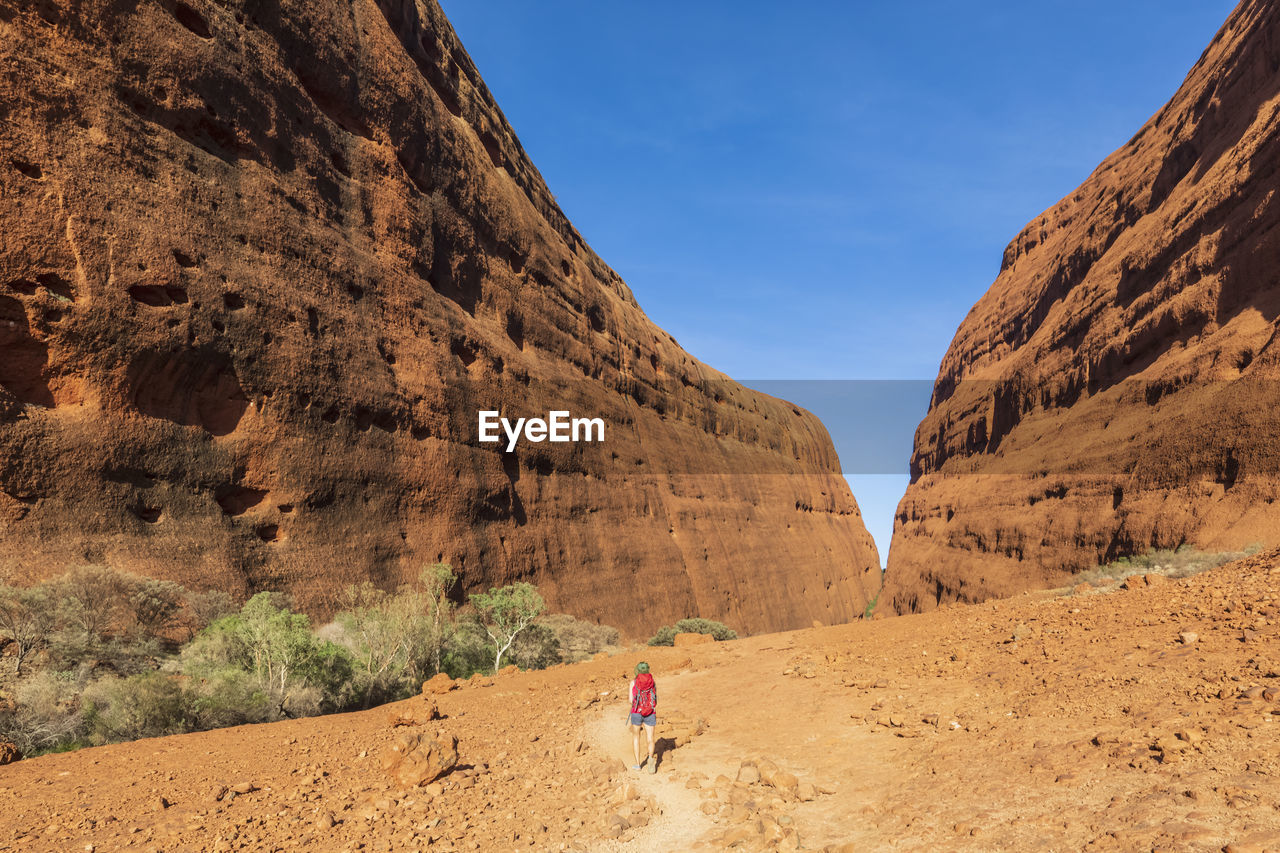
(646, 698)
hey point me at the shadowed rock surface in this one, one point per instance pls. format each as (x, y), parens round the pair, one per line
(263, 263)
(1116, 388)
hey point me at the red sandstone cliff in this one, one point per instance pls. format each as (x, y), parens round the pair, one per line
(261, 266)
(1115, 389)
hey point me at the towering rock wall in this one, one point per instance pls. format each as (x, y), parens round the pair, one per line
(1115, 389)
(264, 262)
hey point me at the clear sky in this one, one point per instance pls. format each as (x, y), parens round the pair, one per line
(821, 190)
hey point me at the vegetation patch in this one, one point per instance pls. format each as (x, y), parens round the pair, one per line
(1181, 562)
(101, 656)
(666, 635)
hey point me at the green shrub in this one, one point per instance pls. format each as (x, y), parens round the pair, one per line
(396, 641)
(230, 697)
(667, 634)
(276, 647)
(1184, 561)
(469, 649)
(537, 647)
(148, 705)
(580, 640)
(47, 717)
(26, 617)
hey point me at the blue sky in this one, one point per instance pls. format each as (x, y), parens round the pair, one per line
(822, 190)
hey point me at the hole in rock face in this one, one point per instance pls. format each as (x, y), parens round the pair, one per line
(268, 532)
(515, 329)
(313, 321)
(517, 261)
(595, 314)
(218, 326)
(1230, 473)
(464, 351)
(22, 358)
(193, 387)
(183, 259)
(364, 419)
(355, 291)
(56, 285)
(237, 500)
(566, 268)
(331, 415)
(176, 295)
(492, 148)
(151, 294)
(340, 163)
(24, 286)
(31, 170)
(1244, 359)
(285, 508)
(1117, 497)
(192, 20)
(148, 514)
(233, 301)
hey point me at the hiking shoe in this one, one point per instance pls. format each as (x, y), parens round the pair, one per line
(635, 766)
(653, 767)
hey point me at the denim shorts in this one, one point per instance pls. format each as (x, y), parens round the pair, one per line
(651, 720)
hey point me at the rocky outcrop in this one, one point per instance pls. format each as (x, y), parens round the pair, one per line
(262, 266)
(1115, 389)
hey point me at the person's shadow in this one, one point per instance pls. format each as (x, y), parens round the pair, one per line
(662, 746)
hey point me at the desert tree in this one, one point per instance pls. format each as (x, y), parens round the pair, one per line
(505, 613)
(27, 616)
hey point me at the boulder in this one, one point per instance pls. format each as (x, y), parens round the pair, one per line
(416, 760)
(8, 752)
(438, 683)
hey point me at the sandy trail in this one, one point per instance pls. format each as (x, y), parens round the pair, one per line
(744, 725)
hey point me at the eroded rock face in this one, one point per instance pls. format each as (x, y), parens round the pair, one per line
(262, 265)
(1116, 388)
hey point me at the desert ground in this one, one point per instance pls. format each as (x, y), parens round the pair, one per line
(1137, 716)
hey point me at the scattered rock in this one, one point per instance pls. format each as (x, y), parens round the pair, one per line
(8, 752)
(1188, 637)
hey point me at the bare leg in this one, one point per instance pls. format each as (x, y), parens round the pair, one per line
(653, 758)
(635, 742)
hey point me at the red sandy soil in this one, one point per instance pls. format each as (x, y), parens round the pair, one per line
(1083, 720)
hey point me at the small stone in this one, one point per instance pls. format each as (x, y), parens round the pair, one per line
(748, 773)
(1188, 637)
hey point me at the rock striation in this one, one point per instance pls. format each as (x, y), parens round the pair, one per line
(1115, 389)
(262, 266)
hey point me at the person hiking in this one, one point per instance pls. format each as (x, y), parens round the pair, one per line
(643, 714)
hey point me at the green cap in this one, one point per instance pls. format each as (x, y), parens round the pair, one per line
(642, 668)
